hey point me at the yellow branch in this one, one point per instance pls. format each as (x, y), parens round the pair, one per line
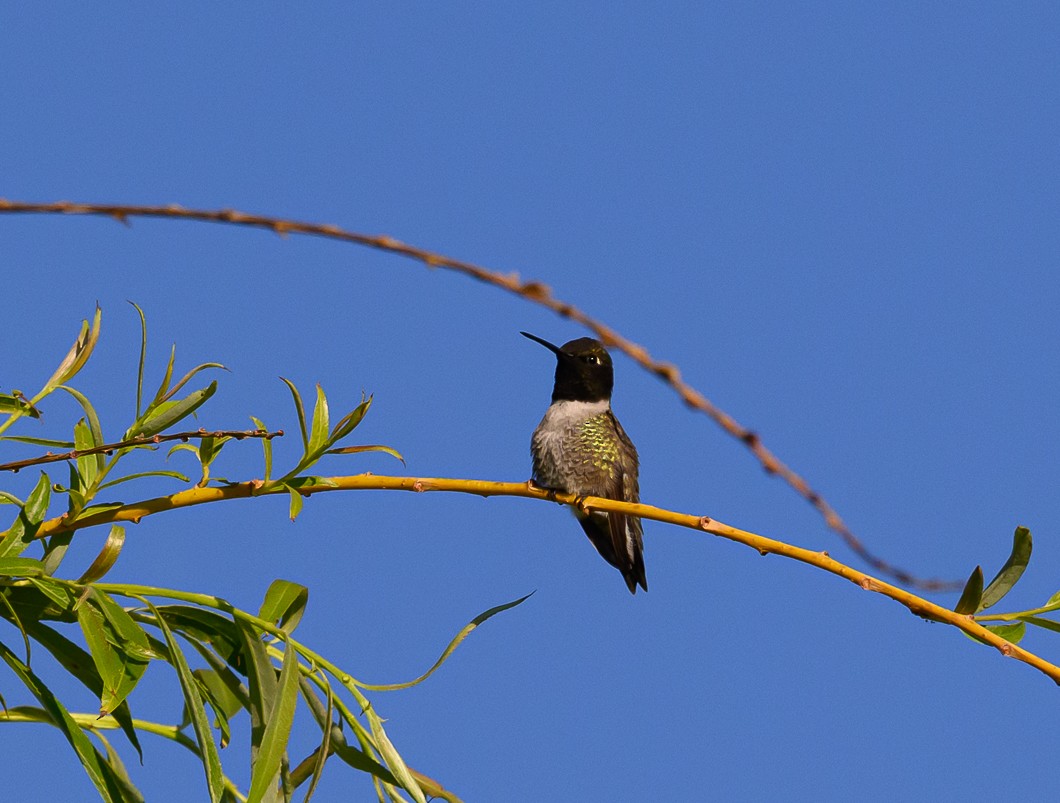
(921, 607)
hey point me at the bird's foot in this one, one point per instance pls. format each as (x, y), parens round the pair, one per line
(550, 492)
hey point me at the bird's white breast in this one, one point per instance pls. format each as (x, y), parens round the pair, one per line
(556, 444)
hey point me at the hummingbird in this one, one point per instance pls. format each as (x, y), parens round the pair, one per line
(580, 448)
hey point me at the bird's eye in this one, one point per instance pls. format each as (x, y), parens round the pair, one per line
(591, 358)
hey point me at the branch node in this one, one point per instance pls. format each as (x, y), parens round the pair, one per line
(419, 487)
(705, 522)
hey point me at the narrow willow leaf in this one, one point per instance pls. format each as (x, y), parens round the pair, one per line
(349, 422)
(53, 591)
(324, 719)
(1013, 632)
(261, 683)
(163, 388)
(79, 664)
(169, 413)
(208, 684)
(76, 491)
(173, 475)
(353, 756)
(107, 556)
(102, 775)
(297, 500)
(1011, 571)
(457, 639)
(48, 442)
(973, 592)
(129, 790)
(211, 762)
(90, 413)
(89, 466)
(29, 519)
(392, 758)
(13, 405)
(10, 499)
(210, 447)
(266, 768)
(1053, 600)
(202, 625)
(102, 507)
(119, 671)
(372, 447)
(143, 358)
(78, 355)
(1042, 622)
(127, 634)
(318, 434)
(188, 376)
(16, 620)
(300, 410)
(284, 604)
(21, 567)
(266, 444)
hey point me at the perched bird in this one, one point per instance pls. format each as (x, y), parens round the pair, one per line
(580, 448)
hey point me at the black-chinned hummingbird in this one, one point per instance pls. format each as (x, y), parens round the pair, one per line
(580, 448)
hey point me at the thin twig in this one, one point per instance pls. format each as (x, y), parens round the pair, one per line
(107, 448)
(921, 607)
(533, 291)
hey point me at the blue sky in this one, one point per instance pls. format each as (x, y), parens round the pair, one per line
(838, 219)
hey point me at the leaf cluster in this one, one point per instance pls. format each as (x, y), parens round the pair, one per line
(231, 665)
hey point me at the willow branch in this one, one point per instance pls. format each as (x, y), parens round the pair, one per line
(136, 511)
(107, 448)
(531, 290)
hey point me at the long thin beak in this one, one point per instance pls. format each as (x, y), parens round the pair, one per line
(554, 349)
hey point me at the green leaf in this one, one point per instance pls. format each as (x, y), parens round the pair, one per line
(78, 355)
(349, 422)
(266, 444)
(169, 413)
(21, 567)
(107, 555)
(174, 475)
(211, 762)
(89, 466)
(143, 358)
(119, 670)
(973, 592)
(1011, 632)
(374, 447)
(108, 784)
(318, 434)
(266, 766)
(184, 380)
(50, 443)
(1042, 622)
(211, 686)
(284, 604)
(79, 664)
(1011, 571)
(10, 499)
(463, 634)
(14, 405)
(53, 591)
(261, 682)
(202, 625)
(29, 519)
(300, 409)
(164, 387)
(297, 501)
(392, 758)
(90, 414)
